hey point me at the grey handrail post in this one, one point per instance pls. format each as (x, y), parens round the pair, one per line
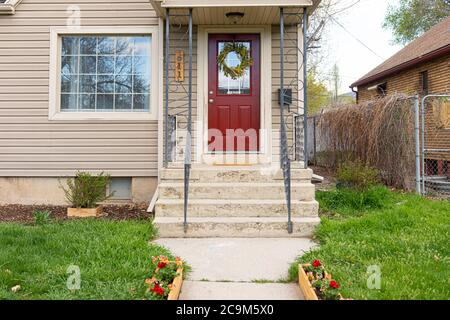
(284, 157)
(305, 82)
(423, 143)
(417, 138)
(187, 159)
(166, 109)
(281, 81)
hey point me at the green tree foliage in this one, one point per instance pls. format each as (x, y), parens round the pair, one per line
(411, 18)
(318, 95)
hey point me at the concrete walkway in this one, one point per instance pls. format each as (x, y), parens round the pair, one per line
(238, 268)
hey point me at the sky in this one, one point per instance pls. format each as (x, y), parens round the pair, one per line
(364, 21)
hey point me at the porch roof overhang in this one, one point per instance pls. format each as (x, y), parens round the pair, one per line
(213, 12)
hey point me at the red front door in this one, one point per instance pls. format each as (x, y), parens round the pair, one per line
(233, 104)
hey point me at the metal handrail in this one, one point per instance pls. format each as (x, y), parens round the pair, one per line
(285, 161)
(167, 117)
(188, 153)
(166, 105)
(305, 87)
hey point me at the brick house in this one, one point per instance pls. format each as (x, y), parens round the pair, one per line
(422, 68)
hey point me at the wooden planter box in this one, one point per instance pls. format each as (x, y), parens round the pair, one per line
(176, 285)
(84, 212)
(308, 291)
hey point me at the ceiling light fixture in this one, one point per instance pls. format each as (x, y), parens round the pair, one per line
(235, 17)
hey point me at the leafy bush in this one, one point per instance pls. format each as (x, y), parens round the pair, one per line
(41, 217)
(356, 174)
(86, 190)
(346, 199)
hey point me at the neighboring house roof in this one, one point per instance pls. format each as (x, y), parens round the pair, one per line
(432, 44)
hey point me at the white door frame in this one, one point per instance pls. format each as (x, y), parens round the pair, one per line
(265, 153)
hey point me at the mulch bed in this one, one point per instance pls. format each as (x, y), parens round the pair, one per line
(24, 213)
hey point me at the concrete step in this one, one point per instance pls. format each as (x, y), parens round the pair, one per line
(235, 208)
(303, 191)
(232, 174)
(234, 227)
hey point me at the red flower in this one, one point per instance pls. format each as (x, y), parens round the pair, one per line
(158, 290)
(162, 265)
(316, 263)
(334, 284)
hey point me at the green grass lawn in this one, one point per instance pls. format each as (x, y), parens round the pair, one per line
(113, 256)
(407, 236)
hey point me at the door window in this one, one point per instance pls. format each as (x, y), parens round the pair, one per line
(228, 85)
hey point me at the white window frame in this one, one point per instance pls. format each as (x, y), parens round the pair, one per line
(54, 111)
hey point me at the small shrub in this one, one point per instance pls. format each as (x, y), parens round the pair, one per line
(86, 190)
(356, 174)
(41, 217)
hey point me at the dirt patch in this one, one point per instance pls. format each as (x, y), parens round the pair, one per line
(24, 213)
(328, 174)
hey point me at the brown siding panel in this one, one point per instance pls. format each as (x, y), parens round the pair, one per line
(408, 82)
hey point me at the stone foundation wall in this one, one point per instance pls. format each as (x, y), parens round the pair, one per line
(43, 190)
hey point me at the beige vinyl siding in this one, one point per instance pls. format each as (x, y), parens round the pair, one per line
(179, 41)
(30, 144)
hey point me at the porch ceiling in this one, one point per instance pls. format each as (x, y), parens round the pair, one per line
(213, 12)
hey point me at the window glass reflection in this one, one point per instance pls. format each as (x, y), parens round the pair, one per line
(228, 85)
(105, 73)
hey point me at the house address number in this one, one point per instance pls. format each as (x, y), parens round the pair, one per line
(179, 66)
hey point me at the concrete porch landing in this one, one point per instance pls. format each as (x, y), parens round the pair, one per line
(233, 268)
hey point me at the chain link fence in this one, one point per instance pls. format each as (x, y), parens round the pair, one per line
(426, 134)
(435, 145)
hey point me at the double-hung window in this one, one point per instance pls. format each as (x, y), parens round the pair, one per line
(96, 74)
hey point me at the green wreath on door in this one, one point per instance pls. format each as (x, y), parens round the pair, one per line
(243, 55)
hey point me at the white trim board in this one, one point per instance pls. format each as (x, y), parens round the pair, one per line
(233, 3)
(55, 74)
(9, 7)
